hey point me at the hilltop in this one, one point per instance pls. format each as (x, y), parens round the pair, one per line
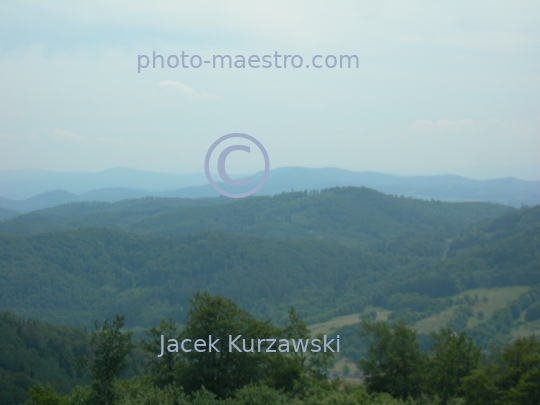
(350, 215)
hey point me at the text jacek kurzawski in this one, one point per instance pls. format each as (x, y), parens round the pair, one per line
(236, 344)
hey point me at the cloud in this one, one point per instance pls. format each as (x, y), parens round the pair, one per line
(186, 90)
(67, 135)
(441, 124)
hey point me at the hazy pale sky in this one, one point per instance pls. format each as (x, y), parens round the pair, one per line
(442, 87)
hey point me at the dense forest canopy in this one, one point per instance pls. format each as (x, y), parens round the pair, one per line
(76, 276)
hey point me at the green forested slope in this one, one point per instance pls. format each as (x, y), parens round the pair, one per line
(357, 216)
(514, 260)
(32, 351)
(100, 214)
(496, 228)
(78, 276)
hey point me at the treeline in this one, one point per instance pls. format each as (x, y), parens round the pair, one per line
(349, 215)
(175, 377)
(452, 370)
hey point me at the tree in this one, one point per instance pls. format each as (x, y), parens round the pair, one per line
(320, 362)
(109, 347)
(44, 395)
(295, 327)
(223, 371)
(285, 370)
(452, 357)
(393, 362)
(512, 377)
(165, 369)
(257, 395)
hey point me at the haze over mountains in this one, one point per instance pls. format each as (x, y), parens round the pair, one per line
(28, 190)
(27, 183)
(7, 213)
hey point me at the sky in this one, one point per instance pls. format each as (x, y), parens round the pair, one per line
(446, 87)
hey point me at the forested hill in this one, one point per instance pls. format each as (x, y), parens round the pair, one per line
(81, 275)
(357, 216)
(497, 228)
(514, 260)
(6, 214)
(77, 276)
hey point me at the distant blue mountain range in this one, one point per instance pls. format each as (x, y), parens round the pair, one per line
(27, 183)
(28, 190)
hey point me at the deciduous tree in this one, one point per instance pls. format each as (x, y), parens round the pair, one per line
(452, 357)
(109, 347)
(393, 361)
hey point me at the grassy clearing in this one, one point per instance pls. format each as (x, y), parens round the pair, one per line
(496, 298)
(489, 300)
(526, 329)
(331, 325)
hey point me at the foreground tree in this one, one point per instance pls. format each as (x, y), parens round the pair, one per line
(284, 371)
(451, 358)
(222, 372)
(394, 362)
(109, 347)
(44, 395)
(212, 323)
(166, 369)
(513, 377)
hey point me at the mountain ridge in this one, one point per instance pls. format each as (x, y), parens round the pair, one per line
(349, 215)
(507, 191)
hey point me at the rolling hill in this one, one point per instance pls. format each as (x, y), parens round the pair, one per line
(354, 216)
(7, 214)
(507, 261)
(78, 275)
